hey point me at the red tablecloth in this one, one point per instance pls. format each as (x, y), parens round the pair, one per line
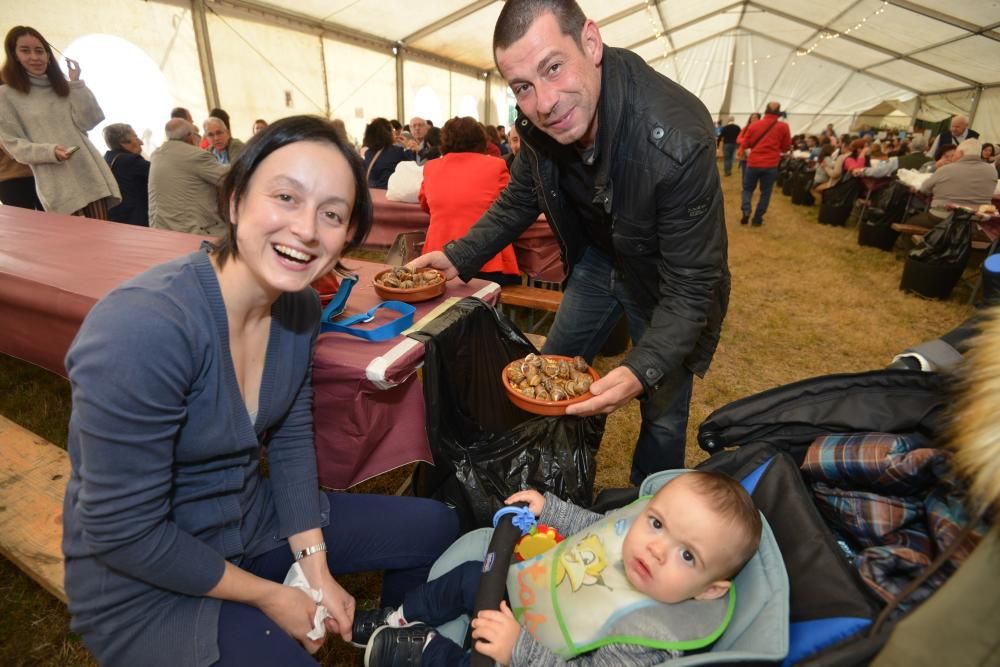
(392, 218)
(369, 408)
(54, 268)
(537, 250)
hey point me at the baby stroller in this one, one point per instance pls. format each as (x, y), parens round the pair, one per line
(757, 633)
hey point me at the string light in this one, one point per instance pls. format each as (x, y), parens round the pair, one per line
(834, 35)
(657, 26)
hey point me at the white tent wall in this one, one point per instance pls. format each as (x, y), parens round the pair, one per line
(468, 98)
(987, 120)
(426, 92)
(826, 62)
(499, 100)
(754, 81)
(698, 71)
(265, 71)
(164, 33)
(362, 85)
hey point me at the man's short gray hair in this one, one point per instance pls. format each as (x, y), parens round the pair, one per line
(918, 143)
(213, 119)
(178, 129)
(116, 133)
(971, 147)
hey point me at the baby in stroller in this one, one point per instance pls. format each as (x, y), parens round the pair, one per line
(637, 586)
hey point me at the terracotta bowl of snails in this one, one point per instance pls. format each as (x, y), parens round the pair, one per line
(401, 284)
(548, 384)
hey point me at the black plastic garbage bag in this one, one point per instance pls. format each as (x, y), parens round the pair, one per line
(948, 242)
(484, 447)
(838, 201)
(888, 205)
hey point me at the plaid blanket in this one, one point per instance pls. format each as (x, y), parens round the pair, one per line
(896, 502)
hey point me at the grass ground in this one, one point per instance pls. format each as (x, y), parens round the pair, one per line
(806, 301)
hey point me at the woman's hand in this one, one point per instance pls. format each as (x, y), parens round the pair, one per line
(495, 633)
(62, 154)
(535, 500)
(293, 611)
(339, 603)
(73, 67)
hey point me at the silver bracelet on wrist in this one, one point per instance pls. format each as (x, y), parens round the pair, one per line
(309, 551)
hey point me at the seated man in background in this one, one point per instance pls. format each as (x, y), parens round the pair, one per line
(221, 144)
(966, 181)
(917, 156)
(183, 182)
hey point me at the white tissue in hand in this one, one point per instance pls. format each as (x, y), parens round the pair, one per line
(297, 579)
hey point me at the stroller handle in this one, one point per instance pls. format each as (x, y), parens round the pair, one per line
(493, 582)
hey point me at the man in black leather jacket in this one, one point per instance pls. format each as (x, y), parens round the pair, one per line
(622, 162)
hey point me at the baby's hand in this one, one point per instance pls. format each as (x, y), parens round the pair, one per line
(496, 632)
(535, 500)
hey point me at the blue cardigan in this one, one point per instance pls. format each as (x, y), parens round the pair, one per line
(165, 483)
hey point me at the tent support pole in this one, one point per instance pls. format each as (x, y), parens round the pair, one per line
(488, 103)
(727, 98)
(326, 81)
(205, 53)
(399, 84)
(975, 105)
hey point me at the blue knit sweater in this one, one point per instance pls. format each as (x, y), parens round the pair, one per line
(165, 483)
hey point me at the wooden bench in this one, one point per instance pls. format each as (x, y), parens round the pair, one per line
(33, 476)
(533, 298)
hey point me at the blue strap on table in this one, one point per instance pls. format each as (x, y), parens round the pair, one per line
(346, 325)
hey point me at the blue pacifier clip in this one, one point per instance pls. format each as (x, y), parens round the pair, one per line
(522, 519)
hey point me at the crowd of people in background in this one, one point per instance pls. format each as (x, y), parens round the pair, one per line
(865, 153)
(48, 163)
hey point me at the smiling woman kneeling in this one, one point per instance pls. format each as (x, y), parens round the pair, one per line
(175, 543)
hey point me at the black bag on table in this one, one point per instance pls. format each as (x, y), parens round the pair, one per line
(484, 447)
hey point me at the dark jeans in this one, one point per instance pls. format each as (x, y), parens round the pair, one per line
(439, 601)
(403, 536)
(728, 153)
(594, 301)
(751, 177)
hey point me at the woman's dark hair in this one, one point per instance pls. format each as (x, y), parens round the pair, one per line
(751, 119)
(378, 135)
(16, 77)
(279, 134)
(221, 115)
(825, 151)
(857, 146)
(993, 151)
(432, 144)
(433, 137)
(942, 149)
(463, 135)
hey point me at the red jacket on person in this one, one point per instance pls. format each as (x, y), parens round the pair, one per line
(767, 152)
(456, 191)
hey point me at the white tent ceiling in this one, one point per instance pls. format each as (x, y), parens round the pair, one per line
(824, 61)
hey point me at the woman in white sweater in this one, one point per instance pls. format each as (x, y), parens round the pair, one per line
(43, 123)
